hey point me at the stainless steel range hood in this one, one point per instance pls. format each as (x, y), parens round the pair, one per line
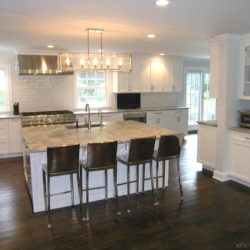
(40, 65)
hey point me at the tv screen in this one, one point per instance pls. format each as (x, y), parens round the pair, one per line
(129, 101)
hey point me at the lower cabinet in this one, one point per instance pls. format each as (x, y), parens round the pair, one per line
(10, 136)
(172, 119)
(107, 117)
(240, 156)
(206, 149)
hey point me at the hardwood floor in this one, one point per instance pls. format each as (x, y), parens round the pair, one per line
(213, 215)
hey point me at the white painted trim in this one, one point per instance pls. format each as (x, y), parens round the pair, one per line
(220, 176)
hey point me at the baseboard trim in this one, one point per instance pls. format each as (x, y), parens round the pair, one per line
(221, 176)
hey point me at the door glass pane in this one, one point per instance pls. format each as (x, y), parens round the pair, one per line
(193, 84)
(209, 104)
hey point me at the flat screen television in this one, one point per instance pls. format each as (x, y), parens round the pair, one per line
(129, 101)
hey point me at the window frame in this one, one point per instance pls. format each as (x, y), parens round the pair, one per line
(7, 69)
(108, 79)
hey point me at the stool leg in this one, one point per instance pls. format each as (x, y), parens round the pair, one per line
(79, 185)
(128, 189)
(45, 192)
(143, 177)
(72, 190)
(49, 215)
(87, 197)
(163, 173)
(106, 184)
(157, 174)
(179, 177)
(137, 179)
(156, 203)
(116, 190)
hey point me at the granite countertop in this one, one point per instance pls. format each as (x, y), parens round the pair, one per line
(240, 129)
(95, 111)
(40, 137)
(211, 123)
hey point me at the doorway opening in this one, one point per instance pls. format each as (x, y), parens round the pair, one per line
(201, 106)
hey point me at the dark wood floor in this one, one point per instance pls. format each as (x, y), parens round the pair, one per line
(213, 215)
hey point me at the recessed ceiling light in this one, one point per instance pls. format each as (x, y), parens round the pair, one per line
(162, 54)
(151, 35)
(99, 50)
(50, 46)
(161, 2)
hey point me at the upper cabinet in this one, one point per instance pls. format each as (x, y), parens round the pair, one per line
(151, 74)
(244, 88)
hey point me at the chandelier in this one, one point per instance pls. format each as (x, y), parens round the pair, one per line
(91, 61)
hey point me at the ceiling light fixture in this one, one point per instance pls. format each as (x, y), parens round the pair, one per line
(91, 61)
(151, 35)
(161, 3)
(162, 54)
(50, 46)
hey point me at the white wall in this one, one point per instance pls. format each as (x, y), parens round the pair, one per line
(36, 93)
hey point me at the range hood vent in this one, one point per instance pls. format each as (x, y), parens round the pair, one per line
(40, 65)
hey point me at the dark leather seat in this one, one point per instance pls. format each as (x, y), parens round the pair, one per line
(169, 148)
(140, 152)
(60, 161)
(100, 157)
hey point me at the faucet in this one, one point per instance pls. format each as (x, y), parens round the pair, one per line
(87, 109)
(101, 117)
(77, 123)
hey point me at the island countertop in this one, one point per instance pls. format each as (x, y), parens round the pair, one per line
(40, 137)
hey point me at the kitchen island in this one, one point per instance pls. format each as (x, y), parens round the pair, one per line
(38, 138)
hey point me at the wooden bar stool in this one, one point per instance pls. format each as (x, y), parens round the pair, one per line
(140, 152)
(169, 148)
(100, 157)
(60, 161)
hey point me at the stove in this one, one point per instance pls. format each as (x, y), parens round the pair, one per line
(47, 118)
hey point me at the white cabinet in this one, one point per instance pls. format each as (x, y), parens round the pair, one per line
(151, 74)
(176, 74)
(157, 118)
(10, 136)
(4, 136)
(215, 71)
(244, 77)
(207, 141)
(176, 120)
(15, 135)
(239, 156)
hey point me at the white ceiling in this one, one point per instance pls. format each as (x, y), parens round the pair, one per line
(182, 28)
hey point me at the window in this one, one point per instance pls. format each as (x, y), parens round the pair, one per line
(201, 106)
(4, 89)
(91, 88)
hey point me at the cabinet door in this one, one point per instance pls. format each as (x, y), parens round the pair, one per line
(145, 74)
(153, 119)
(240, 158)
(176, 74)
(123, 81)
(15, 135)
(4, 137)
(214, 70)
(135, 74)
(206, 150)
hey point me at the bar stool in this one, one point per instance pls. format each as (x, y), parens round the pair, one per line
(60, 161)
(140, 152)
(169, 148)
(100, 157)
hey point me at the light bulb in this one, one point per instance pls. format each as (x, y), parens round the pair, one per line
(120, 62)
(67, 61)
(82, 62)
(95, 61)
(108, 62)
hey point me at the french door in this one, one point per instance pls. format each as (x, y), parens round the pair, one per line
(201, 106)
